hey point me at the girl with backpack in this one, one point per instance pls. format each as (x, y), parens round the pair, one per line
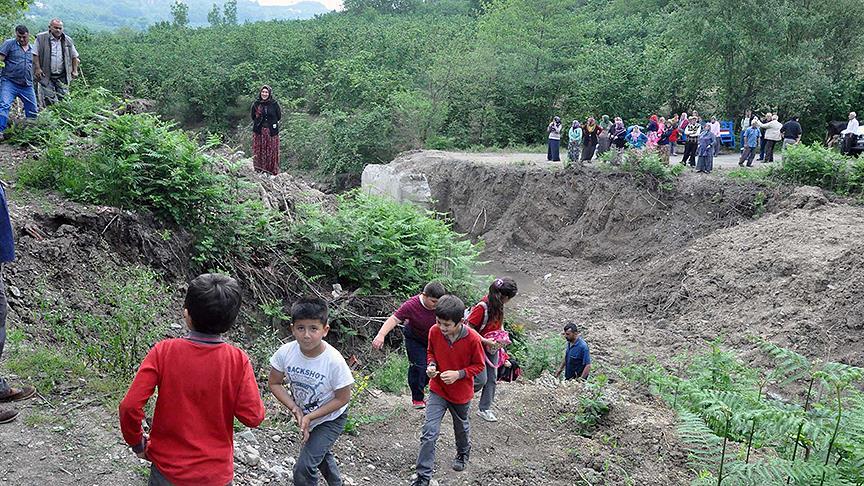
(487, 318)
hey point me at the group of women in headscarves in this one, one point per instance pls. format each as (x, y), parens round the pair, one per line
(659, 135)
(584, 140)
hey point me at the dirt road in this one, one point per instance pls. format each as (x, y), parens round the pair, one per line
(727, 160)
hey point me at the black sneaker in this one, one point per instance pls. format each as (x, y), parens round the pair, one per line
(460, 462)
(420, 482)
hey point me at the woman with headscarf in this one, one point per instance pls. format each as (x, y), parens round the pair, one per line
(604, 140)
(590, 133)
(652, 131)
(705, 152)
(554, 129)
(618, 139)
(575, 141)
(265, 132)
(636, 138)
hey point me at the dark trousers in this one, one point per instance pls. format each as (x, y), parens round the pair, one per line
(747, 156)
(4, 388)
(762, 148)
(416, 351)
(690, 152)
(769, 150)
(554, 151)
(316, 455)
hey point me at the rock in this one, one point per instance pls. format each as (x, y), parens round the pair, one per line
(370, 467)
(289, 462)
(276, 438)
(248, 436)
(282, 473)
(349, 481)
(402, 186)
(15, 291)
(252, 459)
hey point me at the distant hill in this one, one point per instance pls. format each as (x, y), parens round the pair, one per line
(138, 14)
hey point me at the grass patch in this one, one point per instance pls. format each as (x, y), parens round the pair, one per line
(537, 356)
(391, 375)
(757, 174)
(46, 368)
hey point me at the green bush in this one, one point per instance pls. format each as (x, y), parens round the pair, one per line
(745, 435)
(537, 356)
(391, 375)
(814, 165)
(113, 342)
(371, 242)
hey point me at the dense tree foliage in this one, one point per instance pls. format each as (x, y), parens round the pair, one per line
(383, 76)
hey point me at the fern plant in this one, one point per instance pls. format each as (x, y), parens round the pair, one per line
(740, 434)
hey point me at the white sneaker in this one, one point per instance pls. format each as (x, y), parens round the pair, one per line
(487, 415)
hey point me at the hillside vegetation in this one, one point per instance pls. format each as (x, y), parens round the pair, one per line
(359, 86)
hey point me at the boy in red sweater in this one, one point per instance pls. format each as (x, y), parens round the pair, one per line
(454, 357)
(203, 384)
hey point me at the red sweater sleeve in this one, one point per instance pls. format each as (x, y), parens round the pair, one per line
(477, 363)
(249, 408)
(132, 406)
(430, 355)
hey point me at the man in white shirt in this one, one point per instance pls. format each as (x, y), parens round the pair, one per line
(850, 135)
(55, 63)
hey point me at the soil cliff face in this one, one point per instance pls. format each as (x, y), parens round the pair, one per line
(659, 271)
(579, 213)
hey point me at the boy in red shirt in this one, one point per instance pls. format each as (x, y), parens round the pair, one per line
(203, 384)
(454, 357)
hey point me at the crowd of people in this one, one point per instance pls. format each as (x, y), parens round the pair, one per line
(37, 73)
(701, 138)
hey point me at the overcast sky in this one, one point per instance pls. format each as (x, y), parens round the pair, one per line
(331, 4)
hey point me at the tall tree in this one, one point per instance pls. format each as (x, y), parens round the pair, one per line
(214, 17)
(180, 13)
(229, 12)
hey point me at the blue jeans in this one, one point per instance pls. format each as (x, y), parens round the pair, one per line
(316, 455)
(416, 351)
(8, 92)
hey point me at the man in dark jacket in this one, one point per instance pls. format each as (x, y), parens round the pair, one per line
(55, 63)
(791, 132)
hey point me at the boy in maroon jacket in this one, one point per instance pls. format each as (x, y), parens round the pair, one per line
(454, 357)
(203, 384)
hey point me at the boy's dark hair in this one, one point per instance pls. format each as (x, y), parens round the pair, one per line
(571, 326)
(213, 302)
(310, 308)
(434, 289)
(450, 308)
(22, 29)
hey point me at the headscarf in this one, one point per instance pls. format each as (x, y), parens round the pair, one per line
(591, 125)
(556, 119)
(605, 124)
(269, 98)
(575, 125)
(619, 127)
(654, 118)
(635, 132)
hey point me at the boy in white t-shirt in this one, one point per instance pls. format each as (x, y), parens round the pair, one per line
(320, 382)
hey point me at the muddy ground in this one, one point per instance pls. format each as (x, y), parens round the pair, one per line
(644, 272)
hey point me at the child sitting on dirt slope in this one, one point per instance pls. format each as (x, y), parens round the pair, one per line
(203, 384)
(455, 356)
(320, 382)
